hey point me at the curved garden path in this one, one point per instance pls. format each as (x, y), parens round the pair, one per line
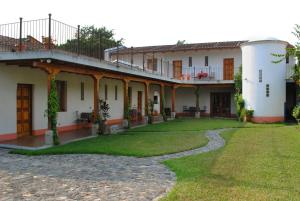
(90, 177)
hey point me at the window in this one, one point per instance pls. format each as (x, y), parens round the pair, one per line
(152, 64)
(82, 91)
(116, 92)
(206, 60)
(287, 59)
(260, 75)
(155, 99)
(61, 88)
(267, 90)
(190, 61)
(105, 92)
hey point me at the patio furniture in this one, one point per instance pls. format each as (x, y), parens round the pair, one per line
(84, 117)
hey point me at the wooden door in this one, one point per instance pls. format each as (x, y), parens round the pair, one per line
(24, 110)
(220, 105)
(177, 69)
(139, 104)
(228, 69)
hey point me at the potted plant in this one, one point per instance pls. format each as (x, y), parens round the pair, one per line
(248, 115)
(296, 113)
(103, 116)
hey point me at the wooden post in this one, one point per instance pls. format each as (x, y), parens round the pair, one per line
(146, 98)
(162, 94)
(173, 98)
(96, 79)
(126, 99)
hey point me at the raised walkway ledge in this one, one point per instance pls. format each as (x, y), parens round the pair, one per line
(97, 64)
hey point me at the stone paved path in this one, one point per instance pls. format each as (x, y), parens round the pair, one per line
(89, 177)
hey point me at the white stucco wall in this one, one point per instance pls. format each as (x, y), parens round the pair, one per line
(136, 87)
(116, 106)
(215, 60)
(257, 56)
(10, 76)
(75, 105)
(187, 97)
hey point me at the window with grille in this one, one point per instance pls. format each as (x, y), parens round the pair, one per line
(82, 91)
(116, 92)
(267, 90)
(190, 61)
(260, 75)
(61, 89)
(206, 60)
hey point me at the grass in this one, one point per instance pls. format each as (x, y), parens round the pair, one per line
(129, 144)
(258, 163)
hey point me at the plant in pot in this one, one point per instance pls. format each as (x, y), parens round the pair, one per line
(240, 106)
(296, 113)
(103, 116)
(53, 108)
(248, 115)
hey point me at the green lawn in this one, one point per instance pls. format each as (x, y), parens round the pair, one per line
(256, 164)
(130, 144)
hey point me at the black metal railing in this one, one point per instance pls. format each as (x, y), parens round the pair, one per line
(49, 34)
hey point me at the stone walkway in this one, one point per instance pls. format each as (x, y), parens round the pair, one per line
(89, 177)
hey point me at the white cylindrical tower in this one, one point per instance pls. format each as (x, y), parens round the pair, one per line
(264, 82)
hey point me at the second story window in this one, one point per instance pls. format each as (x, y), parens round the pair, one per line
(206, 60)
(152, 64)
(190, 61)
(267, 90)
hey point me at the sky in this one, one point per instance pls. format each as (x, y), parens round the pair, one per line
(161, 22)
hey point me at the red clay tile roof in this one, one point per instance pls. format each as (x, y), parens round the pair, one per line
(184, 47)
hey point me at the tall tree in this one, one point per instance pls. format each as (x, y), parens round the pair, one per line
(92, 41)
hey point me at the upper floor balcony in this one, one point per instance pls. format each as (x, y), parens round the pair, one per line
(39, 39)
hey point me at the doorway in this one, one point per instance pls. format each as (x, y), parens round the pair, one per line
(24, 110)
(220, 104)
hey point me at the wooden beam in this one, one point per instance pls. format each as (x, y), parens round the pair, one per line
(126, 98)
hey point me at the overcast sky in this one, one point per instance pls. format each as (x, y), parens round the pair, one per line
(157, 22)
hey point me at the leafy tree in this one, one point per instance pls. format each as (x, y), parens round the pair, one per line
(92, 41)
(53, 107)
(180, 42)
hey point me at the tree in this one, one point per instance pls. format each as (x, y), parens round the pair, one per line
(92, 41)
(53, 107)
(180, 42)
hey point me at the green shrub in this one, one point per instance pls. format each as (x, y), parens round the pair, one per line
(249, 113)
(296, 112)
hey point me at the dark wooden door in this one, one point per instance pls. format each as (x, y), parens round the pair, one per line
(228, 69)
(177, 69)
(220, 104)
(139, 104)
(24, 110)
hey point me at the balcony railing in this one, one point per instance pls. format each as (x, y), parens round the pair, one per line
(200, 73)
(49, 34)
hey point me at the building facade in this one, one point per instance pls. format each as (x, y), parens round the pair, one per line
(167, 76)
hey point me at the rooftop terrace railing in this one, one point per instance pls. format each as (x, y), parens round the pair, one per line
(48, 34)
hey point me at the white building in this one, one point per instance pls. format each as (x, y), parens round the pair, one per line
(135, 75)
